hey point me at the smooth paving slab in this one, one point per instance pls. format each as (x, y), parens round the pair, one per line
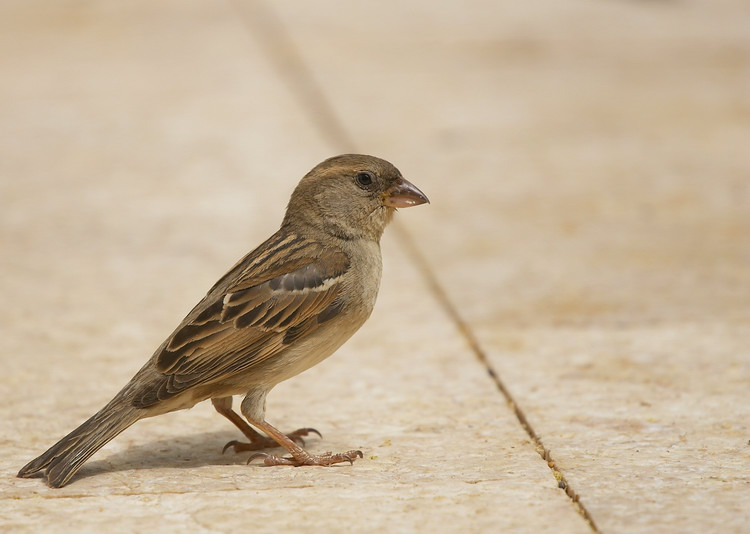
(590, 222)
(144, 147)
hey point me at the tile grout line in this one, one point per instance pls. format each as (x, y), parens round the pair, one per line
(473, 343)
(261, 21)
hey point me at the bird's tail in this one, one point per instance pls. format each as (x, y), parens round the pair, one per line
(67, 456)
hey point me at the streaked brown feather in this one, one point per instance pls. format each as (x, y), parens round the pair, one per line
(273, 296)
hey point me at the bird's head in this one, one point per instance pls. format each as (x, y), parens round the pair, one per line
(352, 196)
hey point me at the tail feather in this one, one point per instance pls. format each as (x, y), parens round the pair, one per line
(66, 457)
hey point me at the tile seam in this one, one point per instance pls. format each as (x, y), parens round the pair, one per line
(262, 23)
(475, 347)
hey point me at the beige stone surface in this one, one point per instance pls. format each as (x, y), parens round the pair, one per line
(144, 147)
(590, 222)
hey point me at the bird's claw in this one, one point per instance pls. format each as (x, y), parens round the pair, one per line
(305, 432)
(348, 455)
(257, 455)
(308, 459)
(232, 443)
(296, 436)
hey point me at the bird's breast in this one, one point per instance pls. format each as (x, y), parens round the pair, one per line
(358, 295)
(363, 284)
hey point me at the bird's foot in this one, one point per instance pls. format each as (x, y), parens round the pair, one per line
(264, 442)
(305, 458)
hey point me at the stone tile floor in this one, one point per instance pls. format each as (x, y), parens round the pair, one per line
(562, 339)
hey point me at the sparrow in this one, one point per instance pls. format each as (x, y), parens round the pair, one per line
(283, 308)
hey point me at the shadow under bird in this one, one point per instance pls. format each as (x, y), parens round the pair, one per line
(283, 308)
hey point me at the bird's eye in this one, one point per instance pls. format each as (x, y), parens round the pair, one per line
(365, 178)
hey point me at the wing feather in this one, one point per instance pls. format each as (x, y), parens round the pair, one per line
(277, 294)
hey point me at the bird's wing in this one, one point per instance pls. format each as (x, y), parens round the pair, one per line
(277, 294)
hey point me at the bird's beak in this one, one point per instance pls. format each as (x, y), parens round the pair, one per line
(404, 194)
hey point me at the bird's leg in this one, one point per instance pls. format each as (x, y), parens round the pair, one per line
(299, 456)
(258, 441)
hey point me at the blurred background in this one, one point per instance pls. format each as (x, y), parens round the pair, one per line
(587, 163)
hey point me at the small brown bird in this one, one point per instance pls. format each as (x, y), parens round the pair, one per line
(283, 308)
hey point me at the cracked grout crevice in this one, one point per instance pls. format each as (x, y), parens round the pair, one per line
(262, 22)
